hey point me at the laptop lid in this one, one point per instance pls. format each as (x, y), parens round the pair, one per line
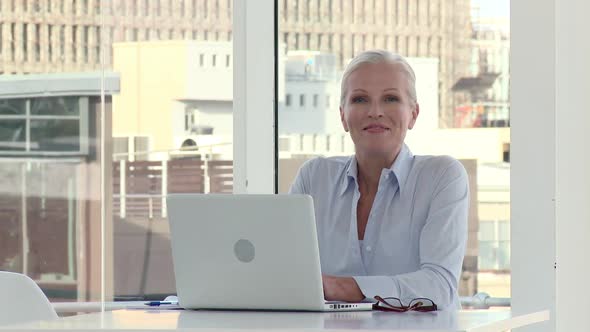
(245, 251)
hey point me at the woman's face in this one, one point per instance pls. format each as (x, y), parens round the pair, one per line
(377, 110)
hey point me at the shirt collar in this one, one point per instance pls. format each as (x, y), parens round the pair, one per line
(400, 169)
(350, 174)
(402, 165)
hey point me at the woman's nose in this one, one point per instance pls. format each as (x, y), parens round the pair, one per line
(375, 110)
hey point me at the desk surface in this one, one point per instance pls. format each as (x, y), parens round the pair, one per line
(473, 321)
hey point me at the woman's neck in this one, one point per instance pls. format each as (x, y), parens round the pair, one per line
(369, 169)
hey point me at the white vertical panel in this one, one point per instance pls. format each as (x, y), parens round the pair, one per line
(572, 86)
(550, 118)
(253, 26)
(532, 157)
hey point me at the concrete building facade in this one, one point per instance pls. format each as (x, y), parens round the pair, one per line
(66, 35)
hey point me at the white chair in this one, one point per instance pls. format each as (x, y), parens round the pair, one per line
(22, 301)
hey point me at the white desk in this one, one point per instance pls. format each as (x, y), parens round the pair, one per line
(472, 321)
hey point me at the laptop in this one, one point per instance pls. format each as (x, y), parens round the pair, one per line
(248, 252)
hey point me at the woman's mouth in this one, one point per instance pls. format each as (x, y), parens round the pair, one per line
(375, 128)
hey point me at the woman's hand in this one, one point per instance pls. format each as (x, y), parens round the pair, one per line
(341, 289)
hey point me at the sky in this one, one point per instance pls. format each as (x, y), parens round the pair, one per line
(492, 8)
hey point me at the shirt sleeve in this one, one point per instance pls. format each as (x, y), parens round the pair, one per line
(442, 248)
(299, 185)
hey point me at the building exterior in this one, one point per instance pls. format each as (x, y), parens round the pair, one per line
(50, 195)
(483, 96)
(163, 108)
(66, 35)
(310, 105)
(491, 55)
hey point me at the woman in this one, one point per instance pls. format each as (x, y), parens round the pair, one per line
(389, 223)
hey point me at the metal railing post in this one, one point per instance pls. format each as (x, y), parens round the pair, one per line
(164, 187)
(122, 189)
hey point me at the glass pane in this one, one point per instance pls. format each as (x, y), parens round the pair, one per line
(13, 107)
(503, 255)
(504, 231)
(12, 135)
(55, 135)
(488, 255)
(172, 127)
(459, 51)
(50, 206)
(487, 231)
(55, 106)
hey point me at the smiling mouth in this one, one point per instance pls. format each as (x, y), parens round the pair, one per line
(375, 128)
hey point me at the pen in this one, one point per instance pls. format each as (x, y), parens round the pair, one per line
(158, 303)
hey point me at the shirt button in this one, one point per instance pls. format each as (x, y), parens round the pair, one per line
(369, 248)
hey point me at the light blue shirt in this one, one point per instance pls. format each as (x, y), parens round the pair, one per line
(415, 237)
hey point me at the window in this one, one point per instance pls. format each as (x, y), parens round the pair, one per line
(445, 103)
(43, 126)
(120, 148)
(288, 100)
(50, 146)
(181, 135)
(494, 242)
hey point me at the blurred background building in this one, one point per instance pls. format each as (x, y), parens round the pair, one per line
(169, 122)
(65, 35)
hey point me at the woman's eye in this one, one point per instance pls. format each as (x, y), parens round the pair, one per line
(391, 99)
(359, 100)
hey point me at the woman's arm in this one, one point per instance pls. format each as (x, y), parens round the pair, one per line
(442, 247)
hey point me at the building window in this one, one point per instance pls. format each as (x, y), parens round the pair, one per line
(213, 60)
(44, 126)
(24, 40)
(288, 100)
(328, 101)
(201, 60)
(494, 245)
(316, 100)
(302, 100)
(120, 148)
(228, 60)
(141, 147)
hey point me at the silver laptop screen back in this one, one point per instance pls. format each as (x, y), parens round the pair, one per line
(245, 251)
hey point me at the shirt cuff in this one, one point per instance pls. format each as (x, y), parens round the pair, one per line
(377, 285)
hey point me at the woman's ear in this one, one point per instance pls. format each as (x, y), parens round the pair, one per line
(415, 113)
(343, 120)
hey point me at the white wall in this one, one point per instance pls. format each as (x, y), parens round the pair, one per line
(254, 84)
(308, 119)
(572, 121)
(208, 82)
(550, 80)
(426, 70)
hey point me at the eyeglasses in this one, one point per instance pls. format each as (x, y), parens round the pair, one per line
(394, 304)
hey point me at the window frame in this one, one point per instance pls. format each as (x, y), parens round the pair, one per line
(255, 108)
(83, 128)
(544, 43)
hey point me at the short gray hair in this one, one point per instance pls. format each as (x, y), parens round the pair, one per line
(378, 56)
